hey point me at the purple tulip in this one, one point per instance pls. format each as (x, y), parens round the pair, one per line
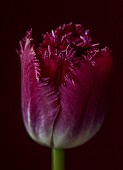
(64, 86)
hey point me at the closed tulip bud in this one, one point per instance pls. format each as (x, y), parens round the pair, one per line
(64, 86)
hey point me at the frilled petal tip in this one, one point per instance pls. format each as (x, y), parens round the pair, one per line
(64, 86)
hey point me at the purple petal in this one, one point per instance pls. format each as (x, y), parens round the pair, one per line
(83, 104)
(39, 99)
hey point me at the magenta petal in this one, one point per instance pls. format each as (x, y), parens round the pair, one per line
(83, 103)
(39, 99)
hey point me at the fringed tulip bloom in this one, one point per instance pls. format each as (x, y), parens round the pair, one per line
(64, 83)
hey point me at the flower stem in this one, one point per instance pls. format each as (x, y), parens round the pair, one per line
(57, 159)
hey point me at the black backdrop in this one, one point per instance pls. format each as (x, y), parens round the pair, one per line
(104, 19)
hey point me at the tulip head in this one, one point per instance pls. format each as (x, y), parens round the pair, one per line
(64, 86)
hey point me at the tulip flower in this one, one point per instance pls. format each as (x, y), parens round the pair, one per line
(64, 86)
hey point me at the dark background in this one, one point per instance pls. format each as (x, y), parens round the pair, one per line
(104, 19)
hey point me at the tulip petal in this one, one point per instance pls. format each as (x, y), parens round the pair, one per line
(39, 99)
(82, 104)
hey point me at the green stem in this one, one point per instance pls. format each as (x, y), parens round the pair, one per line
(57, 159)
